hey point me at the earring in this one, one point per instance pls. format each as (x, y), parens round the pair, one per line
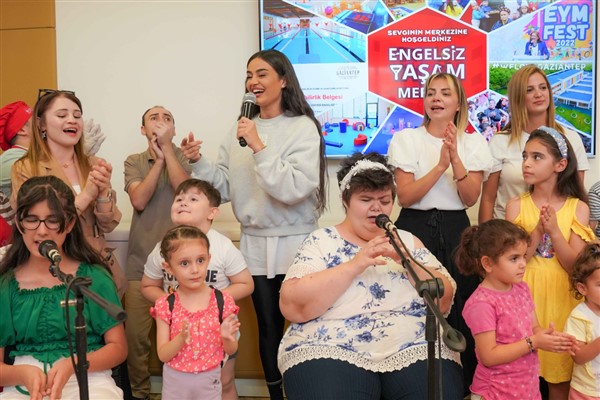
(43, 134)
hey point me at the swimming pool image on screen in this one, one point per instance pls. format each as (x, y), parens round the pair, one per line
(306, 38)
(362, 16)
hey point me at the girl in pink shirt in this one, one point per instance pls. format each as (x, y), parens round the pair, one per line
(500, 313)
(190, 339)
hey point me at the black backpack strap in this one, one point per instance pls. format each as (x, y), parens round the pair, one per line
(220, 303)
(171, 301)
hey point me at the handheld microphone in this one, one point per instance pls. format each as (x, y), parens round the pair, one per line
(248, 101)
(49, 249)
(383, 221)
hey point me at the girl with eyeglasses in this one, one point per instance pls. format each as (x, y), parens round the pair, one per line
(32, 327)
(56, 148)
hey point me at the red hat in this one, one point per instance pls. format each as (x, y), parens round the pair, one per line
(12, 118)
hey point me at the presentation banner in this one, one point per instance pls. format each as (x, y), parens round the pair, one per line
(362, 64)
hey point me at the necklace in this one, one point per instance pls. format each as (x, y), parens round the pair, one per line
(67, 164)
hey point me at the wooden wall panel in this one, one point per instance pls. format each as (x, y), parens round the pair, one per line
(26, 14)
(27, 49)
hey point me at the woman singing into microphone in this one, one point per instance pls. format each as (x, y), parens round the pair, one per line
(357, 322)
(276, 185)
(32, 326)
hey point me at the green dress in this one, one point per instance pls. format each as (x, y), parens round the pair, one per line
(32, 321)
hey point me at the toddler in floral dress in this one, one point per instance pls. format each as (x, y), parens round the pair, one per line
(190, 338)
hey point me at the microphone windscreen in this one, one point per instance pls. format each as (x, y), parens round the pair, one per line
(250, 97)
(381, 220)
(45, 247)
(248, 102)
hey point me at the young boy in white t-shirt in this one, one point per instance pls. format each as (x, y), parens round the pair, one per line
(196, 204)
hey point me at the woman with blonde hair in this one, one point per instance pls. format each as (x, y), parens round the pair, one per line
(531, 106)
(56, 149)
(439, 169)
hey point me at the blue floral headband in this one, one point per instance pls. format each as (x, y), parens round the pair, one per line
(559, 139)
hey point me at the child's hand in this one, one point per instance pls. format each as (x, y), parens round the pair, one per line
(34, 380)
(230, 327)
(58, 376)
(575, 348)
(185, 332)
(552, 340)
(548, 218)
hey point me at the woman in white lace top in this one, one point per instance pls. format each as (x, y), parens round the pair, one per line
(358, 325)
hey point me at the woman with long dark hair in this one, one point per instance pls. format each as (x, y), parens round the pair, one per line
(33, 322)
(276, 186)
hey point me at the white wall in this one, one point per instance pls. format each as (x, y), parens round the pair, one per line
(122, 57)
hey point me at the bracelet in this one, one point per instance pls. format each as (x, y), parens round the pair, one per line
(463, 178)
(530, 344)
(106, 199)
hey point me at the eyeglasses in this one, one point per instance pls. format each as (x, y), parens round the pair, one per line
(31, 223)
(43, 92)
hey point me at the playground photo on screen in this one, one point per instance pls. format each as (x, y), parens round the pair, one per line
(362, 64)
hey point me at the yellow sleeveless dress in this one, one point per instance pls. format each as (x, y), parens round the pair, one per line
(549, 282)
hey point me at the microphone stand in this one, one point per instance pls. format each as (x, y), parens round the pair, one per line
(428, 289)
(80, 289)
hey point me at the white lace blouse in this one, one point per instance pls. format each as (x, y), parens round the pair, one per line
(379, 322)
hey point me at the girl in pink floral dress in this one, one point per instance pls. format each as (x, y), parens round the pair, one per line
(190, 339)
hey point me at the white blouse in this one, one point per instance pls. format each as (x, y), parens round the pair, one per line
(417, 151)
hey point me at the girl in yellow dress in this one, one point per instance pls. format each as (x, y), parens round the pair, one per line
(554, 212)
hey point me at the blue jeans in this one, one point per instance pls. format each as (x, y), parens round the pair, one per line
(339, 380)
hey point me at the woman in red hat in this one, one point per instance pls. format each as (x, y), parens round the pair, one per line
(15, 134)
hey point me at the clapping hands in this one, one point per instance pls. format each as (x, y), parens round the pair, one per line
(230, 327)
(554, 341)
(98, 181)
(185, 332)
(448, 151)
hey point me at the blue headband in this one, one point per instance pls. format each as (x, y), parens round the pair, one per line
(560, 140)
